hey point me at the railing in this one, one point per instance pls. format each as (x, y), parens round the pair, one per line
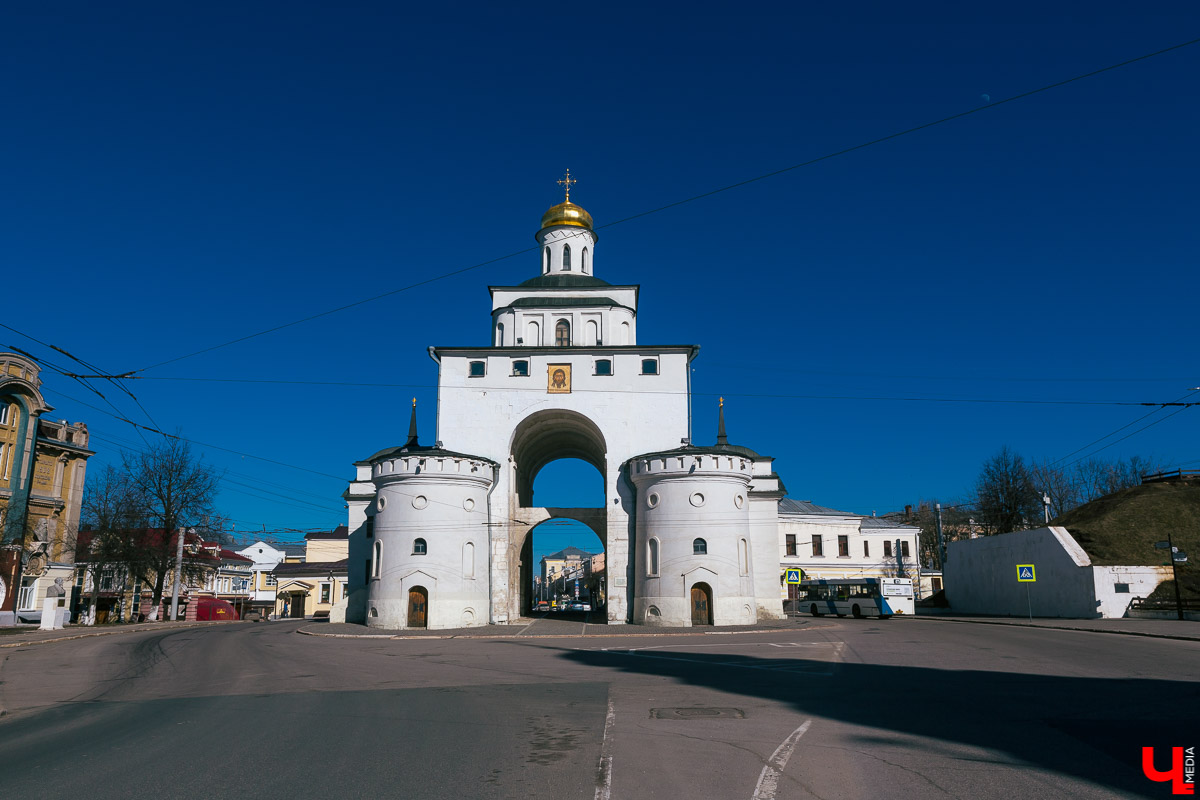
(1172, 475)
(1146, 604)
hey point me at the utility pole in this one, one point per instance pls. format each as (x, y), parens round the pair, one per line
(941, 541)
(178, 576)
(1046, 503)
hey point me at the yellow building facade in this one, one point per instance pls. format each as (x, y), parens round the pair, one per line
(43, 465)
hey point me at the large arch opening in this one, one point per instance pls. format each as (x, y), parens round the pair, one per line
(562, 454)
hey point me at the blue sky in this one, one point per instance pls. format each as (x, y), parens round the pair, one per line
(180, 177)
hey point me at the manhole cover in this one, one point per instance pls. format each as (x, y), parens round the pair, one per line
(697, 713)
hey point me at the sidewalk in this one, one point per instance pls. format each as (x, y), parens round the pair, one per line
(1156, 628)
(547, 627)
(22, 635)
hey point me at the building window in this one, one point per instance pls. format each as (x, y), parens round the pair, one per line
(500, 334)
(520, 369)
(649, 366)
(744, 557)
(566, 257)
(325, 592)
(652, 558)
(699, 547)
(1121, 588)
(546, 261)
(904, 548)
(418, 547)
(478, 369)
(584, 261)
(866, 549)
(562, 334)
(270, 579)
(790, 547)
(843, 546)
(4, 413)
(887, 548)
(816, 545)
(376, 565)
(469, 560)
(937, 584)
(533, 334)
(371, 527)
(603, 366)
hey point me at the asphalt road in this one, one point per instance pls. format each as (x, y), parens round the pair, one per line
(903, 708)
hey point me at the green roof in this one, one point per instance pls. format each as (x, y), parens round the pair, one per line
(564, 280)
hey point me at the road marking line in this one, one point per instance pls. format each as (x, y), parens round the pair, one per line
(604, 770)
(768, 781)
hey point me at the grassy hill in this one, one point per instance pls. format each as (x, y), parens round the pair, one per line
(1121, 528)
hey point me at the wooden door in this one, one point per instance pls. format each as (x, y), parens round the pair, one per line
(701, 605)
(418, 603)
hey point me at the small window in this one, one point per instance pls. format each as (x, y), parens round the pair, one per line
(649, 366)
(743, 557)
(584, 264)
(843, 546)
(603, 366)
(500, 334)
(1121, 588)
(370, 527)
(652, 567)
(791, 544)
(520, 369)
(866, 549)
(546, 261)
(566, 257)
(478, 369)
(3, 413)
(937, 584)
(418, 547)
(699, 547)
(270, 579)
(376, 566)
(816, 545)
(887, 548)
(562, 334)
(325, 591)
(904, 548)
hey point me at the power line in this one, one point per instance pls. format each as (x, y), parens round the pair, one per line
(692, 199)
(536, 389)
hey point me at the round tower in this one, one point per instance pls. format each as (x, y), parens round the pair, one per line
(567, 239)
(427, 535)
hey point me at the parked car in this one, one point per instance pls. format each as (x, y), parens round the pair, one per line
(543, 606)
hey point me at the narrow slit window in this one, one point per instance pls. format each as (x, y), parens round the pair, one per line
(566, 257)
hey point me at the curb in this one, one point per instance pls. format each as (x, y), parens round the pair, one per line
(1144, 634)
(305, 632)
(89, 634)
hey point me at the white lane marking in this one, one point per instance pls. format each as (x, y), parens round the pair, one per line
(604, 770)
(768, 781)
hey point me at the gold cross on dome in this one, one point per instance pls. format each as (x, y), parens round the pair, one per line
(566, 183)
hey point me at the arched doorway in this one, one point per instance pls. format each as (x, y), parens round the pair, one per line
(418, 607)
(567, 579)
(702, 613)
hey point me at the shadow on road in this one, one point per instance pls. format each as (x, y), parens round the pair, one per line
(1089, 728)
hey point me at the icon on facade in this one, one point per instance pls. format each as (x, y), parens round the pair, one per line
(559, 379)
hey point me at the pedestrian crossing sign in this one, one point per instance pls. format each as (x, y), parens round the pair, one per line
(793, 575)
(1026, 573)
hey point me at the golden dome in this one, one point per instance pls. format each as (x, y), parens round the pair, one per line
(567, 214)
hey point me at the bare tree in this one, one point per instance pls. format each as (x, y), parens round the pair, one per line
(111, 513)
(174, 491)
(1006, 499)
(1059, 484)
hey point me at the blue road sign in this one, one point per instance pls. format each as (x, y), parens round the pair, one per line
(793, 576)
(1026, 573)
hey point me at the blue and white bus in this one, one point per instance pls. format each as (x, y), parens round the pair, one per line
(858, 597)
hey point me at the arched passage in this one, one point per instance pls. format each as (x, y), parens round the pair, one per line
(550, 435)
(567, 563)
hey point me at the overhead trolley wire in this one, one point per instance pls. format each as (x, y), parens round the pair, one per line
(686, 200)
